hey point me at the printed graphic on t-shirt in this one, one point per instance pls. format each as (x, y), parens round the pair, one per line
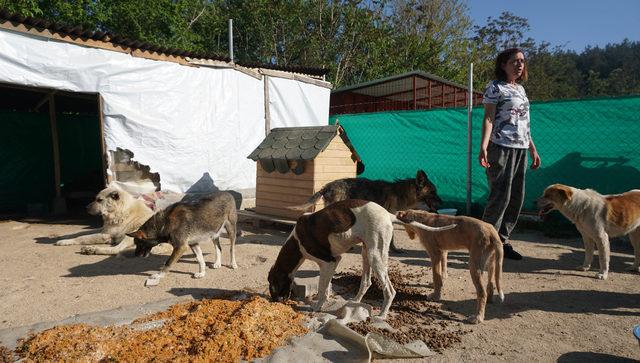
(511, 126)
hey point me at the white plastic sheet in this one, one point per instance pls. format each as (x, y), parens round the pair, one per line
(293, 103)
(193, 125)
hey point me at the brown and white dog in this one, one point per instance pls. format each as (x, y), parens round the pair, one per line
(478, 237)
(597, 217)
(325, 235)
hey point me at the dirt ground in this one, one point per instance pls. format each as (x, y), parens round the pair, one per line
(551, 313)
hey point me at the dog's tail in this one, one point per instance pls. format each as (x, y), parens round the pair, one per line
(395, 220)
(310, 202)
(499, 257)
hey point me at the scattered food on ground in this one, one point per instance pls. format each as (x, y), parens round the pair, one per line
(207, 330)
(412, 315)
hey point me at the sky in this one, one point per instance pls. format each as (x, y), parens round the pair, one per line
(572, 24)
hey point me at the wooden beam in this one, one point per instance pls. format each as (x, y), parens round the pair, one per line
(442, 94)
(414, 92)
(267, 115)
(55, 144)
(103, 150)
(429, 94)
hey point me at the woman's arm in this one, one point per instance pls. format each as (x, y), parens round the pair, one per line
(487, 126)
(535, 162)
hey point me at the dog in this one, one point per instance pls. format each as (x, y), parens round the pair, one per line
(187, 224)
(121, 214)
(393, 196)
(597, 217)
(325, 235)
(481, 240)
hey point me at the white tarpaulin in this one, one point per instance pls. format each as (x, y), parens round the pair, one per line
(293, 103)
(192, 125)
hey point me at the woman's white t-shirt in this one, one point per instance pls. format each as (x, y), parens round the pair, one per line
(511, 127)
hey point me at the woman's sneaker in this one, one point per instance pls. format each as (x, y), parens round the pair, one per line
(510, 253)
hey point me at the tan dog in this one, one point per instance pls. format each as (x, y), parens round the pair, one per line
(597, 217)
(479, 238)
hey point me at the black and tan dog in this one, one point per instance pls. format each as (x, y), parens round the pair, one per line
(393, 196)
(187, 224)
(325, 235)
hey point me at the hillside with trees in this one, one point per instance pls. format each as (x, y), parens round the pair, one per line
(356, 40)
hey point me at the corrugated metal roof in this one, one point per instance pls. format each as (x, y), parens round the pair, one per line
(401, 82)
(84, 34)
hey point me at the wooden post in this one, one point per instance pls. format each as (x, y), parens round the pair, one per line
(442, 93)
(59, 204)
(429, 93)
(414, 93)
(103, 150)
(54, 141)
(267, 116)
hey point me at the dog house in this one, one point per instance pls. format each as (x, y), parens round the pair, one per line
(295, 162)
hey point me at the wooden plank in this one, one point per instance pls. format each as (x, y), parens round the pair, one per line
(301, 184)
(307, 175)
(334, 161)
(346, 169)
(335, 153)
(293, 199)
(103, 150)
(277, 212)
(265, 217)
(283, 189)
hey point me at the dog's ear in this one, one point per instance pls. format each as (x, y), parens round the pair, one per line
(137, 234)
(563, 192)
(421, 178)
(115, 195)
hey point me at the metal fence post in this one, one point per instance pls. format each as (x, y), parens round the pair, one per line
(469, 134)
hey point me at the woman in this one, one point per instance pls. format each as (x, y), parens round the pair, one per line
(506, 137)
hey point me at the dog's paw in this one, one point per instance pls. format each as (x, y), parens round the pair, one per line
(501, 297)
(602, 275)
(234, 265)
(474, 319)
(216, 265)
(317, 306)
(88, 250)
(64, 242)
(583, 268)
(198, 275)
(633, 268)
(434, 296)
(151, 281)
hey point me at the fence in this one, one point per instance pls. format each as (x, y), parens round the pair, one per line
(591, 143)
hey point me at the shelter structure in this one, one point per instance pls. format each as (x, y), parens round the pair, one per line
(295, 162)
(82, 108)
(414, 90)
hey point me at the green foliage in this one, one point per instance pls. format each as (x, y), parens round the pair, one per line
(356, 40)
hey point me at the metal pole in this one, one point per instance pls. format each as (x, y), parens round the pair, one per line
(231, 40)
(469, 132)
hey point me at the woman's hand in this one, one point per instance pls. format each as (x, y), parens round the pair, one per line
(535, 158)
(482, 157)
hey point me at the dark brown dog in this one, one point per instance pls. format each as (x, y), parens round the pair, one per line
(393, 196)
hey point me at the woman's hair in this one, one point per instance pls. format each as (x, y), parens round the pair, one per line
(503, 58)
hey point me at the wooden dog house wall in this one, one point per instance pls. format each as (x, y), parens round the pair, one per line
(295, 162)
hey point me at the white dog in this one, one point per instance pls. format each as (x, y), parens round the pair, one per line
(597, 217)
(325, 235)
(121, 214)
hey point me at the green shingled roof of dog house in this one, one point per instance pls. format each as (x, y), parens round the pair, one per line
(591, 143)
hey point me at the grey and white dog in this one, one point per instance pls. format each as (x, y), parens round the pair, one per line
(187, 224)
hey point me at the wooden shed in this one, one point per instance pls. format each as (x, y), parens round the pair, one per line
(295, 162)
